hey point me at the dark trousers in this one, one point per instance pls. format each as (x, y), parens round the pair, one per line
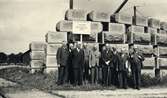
(86, 71)
(112, 76)
(78, 76)
(70, 74)
(136, 76)
(122, 79)
(94, 75)
(63, 74)
(105, 75)
(100, 75)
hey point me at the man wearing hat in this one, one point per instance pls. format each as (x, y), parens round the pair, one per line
(122, 69)
(106, 57)
(62, 57)
(136, 65)
(77, 63)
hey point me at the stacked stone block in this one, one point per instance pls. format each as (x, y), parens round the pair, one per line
(37, 56)
(54, 41)
(119, 30)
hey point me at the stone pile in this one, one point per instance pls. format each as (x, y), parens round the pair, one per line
(121, 31)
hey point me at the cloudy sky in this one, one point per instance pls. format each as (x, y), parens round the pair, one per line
(23, 21)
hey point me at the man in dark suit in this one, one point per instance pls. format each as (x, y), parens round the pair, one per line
(70, 69)
(122, 69)
(62, 60)
(77, 63)
(136, 65)
(113, 79)
(106, 56)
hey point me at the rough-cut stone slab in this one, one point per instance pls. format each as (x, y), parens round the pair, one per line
(67, 26)
(160, 51)
(163, 25)
(163, 72)
(36, 65)
(76, 14)
(122, 18)
(161, 39)
(56, 37)
(141, 38)
(51, 64)
(149, 62)
(136, 29)
(149, 72)
(146, 49)
(125, 47)
(64, 26)
(115, 27)
(162, 62)
(99, 16)
(114, 37)
(52, 49)
(141, 21)
(37, 55)
(153, 32)
(154, 23)
(96, 27)
(37, 46)
(162, 32)
(91, 37)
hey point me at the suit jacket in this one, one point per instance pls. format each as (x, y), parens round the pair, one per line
(115, 61)
(123, 58)
(106, 56)
(86, 54)
(62, 56)
(94, 58)
(135, 61)
(77, 58)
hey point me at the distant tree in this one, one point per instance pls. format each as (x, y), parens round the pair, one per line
(3, 57)
(18, 57)
(12, 58)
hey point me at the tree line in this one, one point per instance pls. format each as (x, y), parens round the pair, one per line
(6, 59)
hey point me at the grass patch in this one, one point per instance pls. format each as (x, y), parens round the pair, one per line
(47, 82)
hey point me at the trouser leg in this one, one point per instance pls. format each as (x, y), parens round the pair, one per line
(92, 75)
(80, 76)
(138, 78)
(125, 76)
(105, 75)
(76, 76)
(134, 78)
(120, 79)
(61, 75)
(66, 74)
(100, 75)
(96, 74)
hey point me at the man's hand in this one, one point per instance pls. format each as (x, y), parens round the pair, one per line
(107, 62)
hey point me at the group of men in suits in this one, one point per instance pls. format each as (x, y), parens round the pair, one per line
(83, 64)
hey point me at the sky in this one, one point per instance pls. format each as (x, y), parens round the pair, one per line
(24, 21)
